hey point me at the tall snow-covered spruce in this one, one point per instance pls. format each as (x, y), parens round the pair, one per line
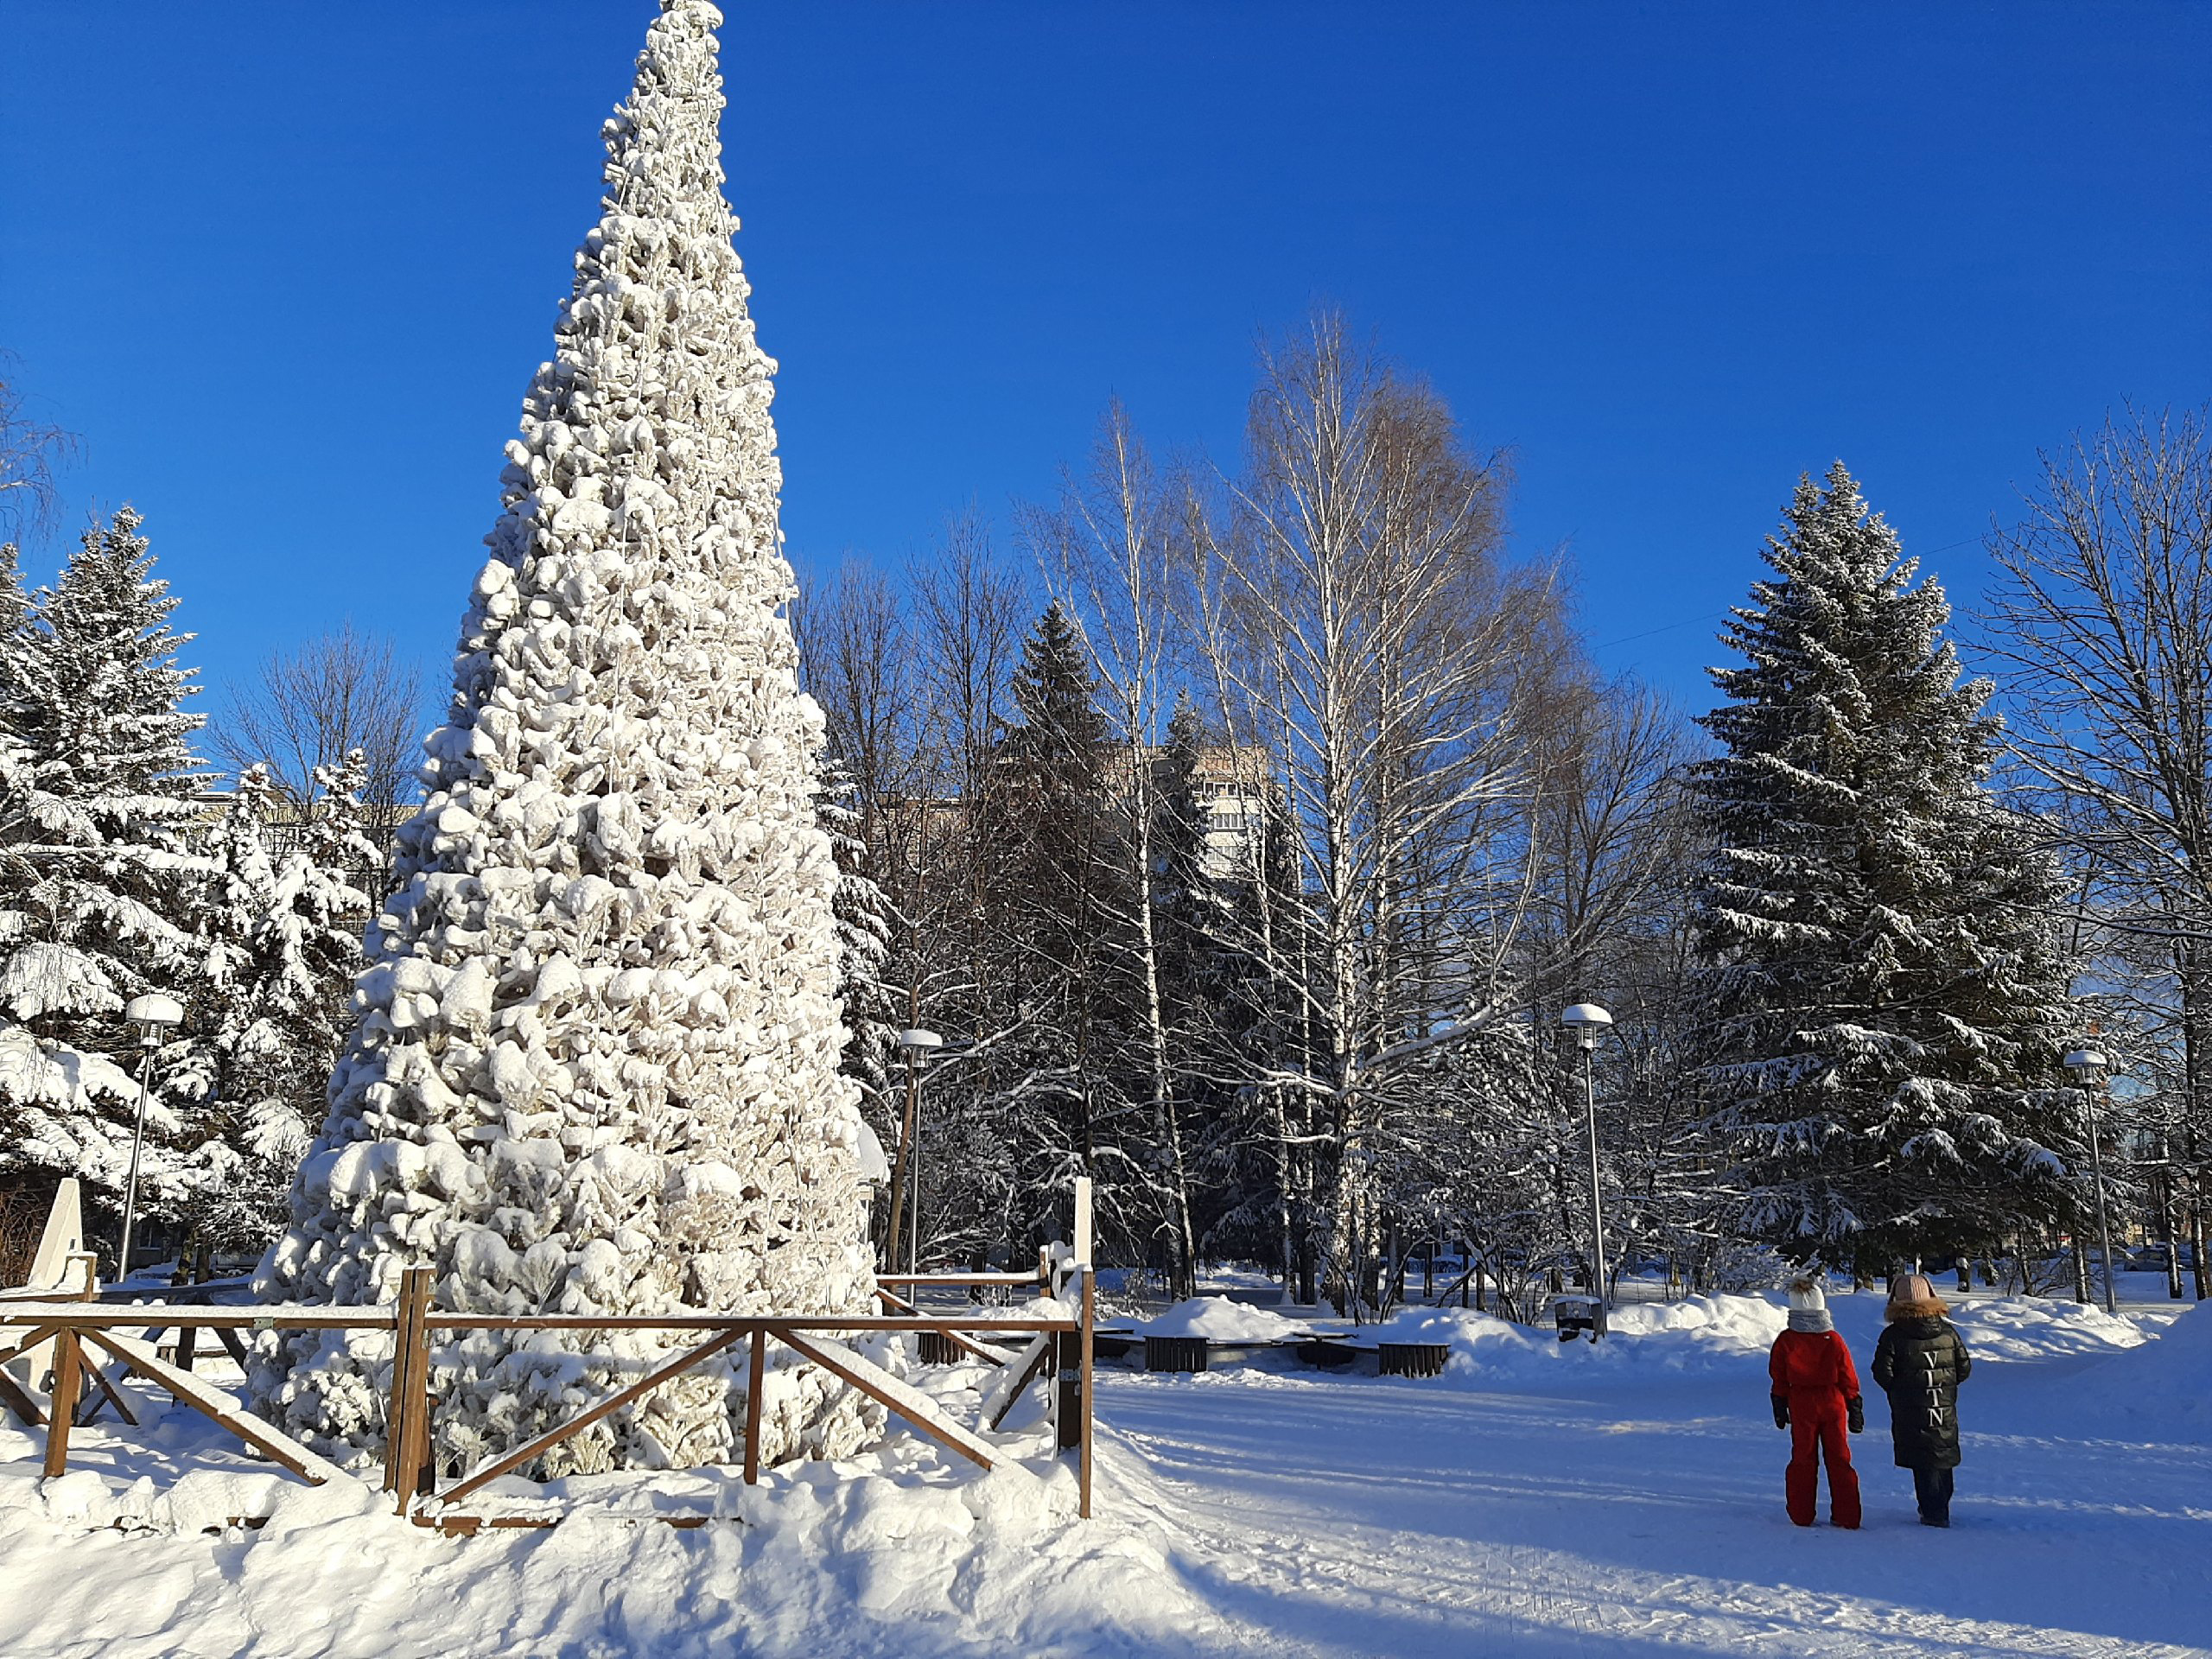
(100, 885)
(595, 1061)
(1885, 991)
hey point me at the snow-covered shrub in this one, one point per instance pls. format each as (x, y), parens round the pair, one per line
(1739, 1269)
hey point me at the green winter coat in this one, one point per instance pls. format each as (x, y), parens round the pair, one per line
(1919, 1363)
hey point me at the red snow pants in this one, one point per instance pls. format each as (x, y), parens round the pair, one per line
(1816, 1432)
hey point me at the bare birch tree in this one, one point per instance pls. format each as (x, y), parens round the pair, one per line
(2102, 623)
(30, 450)
(1374, 637)
(962, 640)
(857, 650)
(306, 711)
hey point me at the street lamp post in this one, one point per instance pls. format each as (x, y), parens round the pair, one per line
(153, 1014)
(2088, 1065)
(1589, 1022)
(914, 1046)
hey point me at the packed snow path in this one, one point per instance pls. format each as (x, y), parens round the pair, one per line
(1534, 1501)
(1385, 1516)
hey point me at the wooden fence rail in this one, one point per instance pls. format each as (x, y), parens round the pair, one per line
(410, 1467)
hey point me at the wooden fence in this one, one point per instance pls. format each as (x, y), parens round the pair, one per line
(81, 1385)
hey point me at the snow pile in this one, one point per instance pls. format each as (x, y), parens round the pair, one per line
(201, 1500)
(1702, 1333)
(2159, 1389)
(1720, 1324)
(1483, 1345)
(1218, 1318)
(887, 1553)
(1997, 1330)
(2019, 1327)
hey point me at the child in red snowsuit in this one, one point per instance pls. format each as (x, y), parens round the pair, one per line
(1815, 1396)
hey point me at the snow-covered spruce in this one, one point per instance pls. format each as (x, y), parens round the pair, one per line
(1886, 990)
(98, 883)
(281, 946)
(595, 1060)
(863, 947)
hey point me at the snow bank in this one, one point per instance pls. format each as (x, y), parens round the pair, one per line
(2159, 1389)
(1688, 1337)
(1997, 1330)
(2020, 1327)
(1701, 1334)
(199, 1500)
(1717, 1333)
(1721, 1325)
(1219, 1320)
(888, 1553)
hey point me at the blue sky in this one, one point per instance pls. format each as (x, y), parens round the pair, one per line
(288, 269)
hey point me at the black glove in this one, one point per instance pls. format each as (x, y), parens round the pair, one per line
(1781, 1412)
(1857, 1415)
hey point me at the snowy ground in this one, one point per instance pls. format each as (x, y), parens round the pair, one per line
(1536, 1500)
(1565, 1504)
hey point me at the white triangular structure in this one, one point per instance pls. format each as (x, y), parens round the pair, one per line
(64, 1237)
(52, 1271)
(595, 1061)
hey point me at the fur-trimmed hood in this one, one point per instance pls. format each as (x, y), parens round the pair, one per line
(1911, 1297)
(1920, 1307)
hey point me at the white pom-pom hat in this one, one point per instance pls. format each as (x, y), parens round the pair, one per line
(1806, 1296)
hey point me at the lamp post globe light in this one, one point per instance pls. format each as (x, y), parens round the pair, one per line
(915, 1046)
(2089, 1066)
(153, 1014)
(1588, 1022)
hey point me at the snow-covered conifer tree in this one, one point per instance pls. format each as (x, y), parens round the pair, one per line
(99, 885)
(15, 645)
(1057, 897)
(15, 611)
(281, 946)
(863, 944)
(595, 1060)
(237, 1050)
(1887, 1000)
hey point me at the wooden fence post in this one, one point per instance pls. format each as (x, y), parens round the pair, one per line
(188, 1338)
(68, 1376)
(756, 1370)
(417, 1285)
(1082, 1221)
(396, 1410)
(406, 1437)
(62, 1411)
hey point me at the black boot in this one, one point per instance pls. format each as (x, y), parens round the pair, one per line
(1932, 1488)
